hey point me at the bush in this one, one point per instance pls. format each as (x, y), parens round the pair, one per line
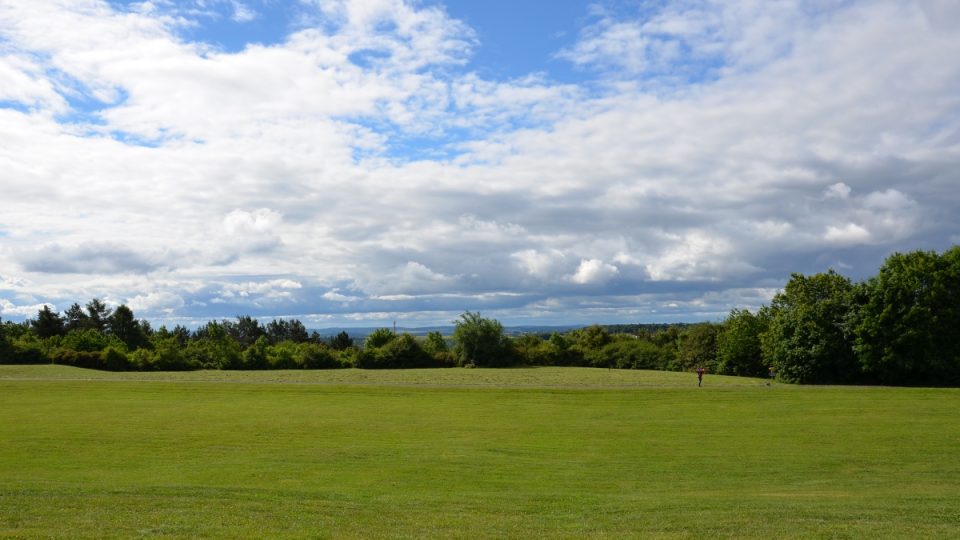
(379, 338)
(283, 355)
(402, 352)
(85, 340)
(632, 354)
(113, 359)
(481, 342)
(167, 355)
(24, 353)
(70, 357)
(317, 356)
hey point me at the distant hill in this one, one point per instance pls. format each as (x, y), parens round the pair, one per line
(362, 332)
(543, 330)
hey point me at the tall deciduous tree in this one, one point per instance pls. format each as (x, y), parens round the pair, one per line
(807, 340)
(908, 330)
(481, 342)
(697, 346)
(738, 344)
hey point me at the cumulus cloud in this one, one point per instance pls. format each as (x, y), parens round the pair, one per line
(593, 271)
(851, 233)
(154, 303)
(837, 191)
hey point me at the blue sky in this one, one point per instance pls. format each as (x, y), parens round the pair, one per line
(356, 162)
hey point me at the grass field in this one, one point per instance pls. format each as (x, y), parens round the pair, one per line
(547, 452)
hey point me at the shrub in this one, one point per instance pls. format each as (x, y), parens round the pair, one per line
(317, 356)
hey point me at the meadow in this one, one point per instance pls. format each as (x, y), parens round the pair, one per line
(466, 453)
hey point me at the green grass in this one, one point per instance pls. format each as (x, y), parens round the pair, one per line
(463, 453)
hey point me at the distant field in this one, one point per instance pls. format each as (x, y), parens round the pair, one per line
(537, 377)
(543, 452)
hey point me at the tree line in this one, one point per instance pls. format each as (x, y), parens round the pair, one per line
(899, 327)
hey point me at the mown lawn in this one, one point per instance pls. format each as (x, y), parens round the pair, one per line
(470, 453)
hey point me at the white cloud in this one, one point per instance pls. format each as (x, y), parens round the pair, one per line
(594, 271)
(261, 221)
(334, 295)
(9, 309)
(851, 233)
(540, 264)
(837, 191)
(274, 289)
(156, 302)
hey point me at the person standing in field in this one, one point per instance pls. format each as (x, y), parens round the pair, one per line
(700, 376)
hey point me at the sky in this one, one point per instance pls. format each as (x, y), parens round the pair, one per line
(359, 162)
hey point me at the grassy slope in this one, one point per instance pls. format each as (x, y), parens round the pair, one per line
(395, 456)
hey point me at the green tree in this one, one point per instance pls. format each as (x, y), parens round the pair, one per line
(481, 342)
(378, 338)
(434, 344)
(632, 353)
(403, 352)
(738, 345)
(98, 315)
(908, 328)
(283, 330)
(256, 356)
(341, 341)
(245, 331)
(114, 359)
(807, 339)
(697, 346)
(6, 348)
(85, 340)
(125, 327)
(214, 348)
(48, 323)
(316, 356)
(75, 318)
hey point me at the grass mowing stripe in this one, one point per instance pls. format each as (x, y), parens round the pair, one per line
(122, 459)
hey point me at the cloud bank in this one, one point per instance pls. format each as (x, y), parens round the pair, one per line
(356, 170)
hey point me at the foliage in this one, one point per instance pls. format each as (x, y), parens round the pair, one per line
(165, 354)
(317, 356)
(284, 330)
(245, 331)
(401, 352)
(75, 318)
(632, 353)
(806, 340)
(113, 359)
(98, 315)
(738, 344)
(48, 323)
(378, 338)
(256, 357)
(341, 341)
(908, 329)
(125, 327)
(215, 349)
(697, 347)
(481, 342)
(85, 340)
